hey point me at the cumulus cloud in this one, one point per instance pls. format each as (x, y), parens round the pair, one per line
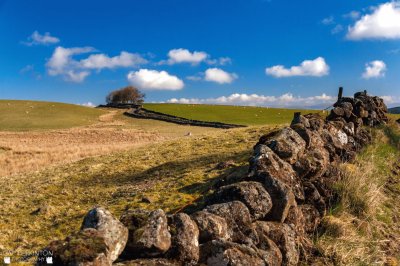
(219, 76)
(63, 64)
(391, 100)
(374, 69)
(285, 100)
(38, 39)
(146, 79)
(181, 55)
(382, 23)
(100, 61)
(314, 68)
(177, 56)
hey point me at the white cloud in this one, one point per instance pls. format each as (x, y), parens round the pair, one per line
(390, 100)
(177, 56)
(315, 68)
(100, 61)
(88, 104)
(382, 23)
(285, 100)
(374, 69)
(328, 21)
(338, 28)
(219, 76)
(146, 79)
(63, 64)
(38, 39)
(222, 61)
(352, 15)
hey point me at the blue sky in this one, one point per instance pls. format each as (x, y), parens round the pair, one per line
(253, 52)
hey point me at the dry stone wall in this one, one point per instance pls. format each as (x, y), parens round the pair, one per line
(265, 218)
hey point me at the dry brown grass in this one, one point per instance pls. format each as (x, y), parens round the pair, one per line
(362, 229)
(22, 152)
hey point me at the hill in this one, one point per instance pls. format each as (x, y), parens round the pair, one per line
(394, 110)
(240, 115)
(35, 115)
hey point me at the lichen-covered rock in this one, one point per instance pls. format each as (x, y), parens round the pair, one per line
(286, 143)
(237, 217)
(284, 237)
(218, 253)
(281, 195)
(115, 234)
(85, 248)
(313, 163)
(252, 194)
(148, 233)
(266, 162)
(185, 239)
(210, 226)
(272, 254)
(311, 217)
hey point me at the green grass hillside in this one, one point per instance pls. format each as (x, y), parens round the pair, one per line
(241, 115)
(34, 115)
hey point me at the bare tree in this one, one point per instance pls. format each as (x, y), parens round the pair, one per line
(125, 95)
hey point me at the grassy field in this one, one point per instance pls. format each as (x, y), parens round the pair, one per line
(50, 204)
(33, 115)
(241, 115)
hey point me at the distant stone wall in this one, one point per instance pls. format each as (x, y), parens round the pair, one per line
(143, 113)
(267, 217)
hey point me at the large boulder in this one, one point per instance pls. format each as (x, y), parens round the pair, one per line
(252, 194)
(266, 162)
(148, 233)
(218, 253)
(185, 239)
(210, 226)
(284, 237)
(85, 248)
(237, 217)
(286, 143)
(115, 234)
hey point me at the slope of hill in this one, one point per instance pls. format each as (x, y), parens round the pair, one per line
(35, 115)
(394, 110)
(239, 115)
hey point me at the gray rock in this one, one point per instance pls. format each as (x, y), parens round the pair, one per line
(115, 234)
(210, 226)
(284, 237)
(185, 239)
(266, 162)
(148, 233)
(237, 217)
(252, 194)
(286, 143)
(224, 253)
(281, 195)
(85, 248)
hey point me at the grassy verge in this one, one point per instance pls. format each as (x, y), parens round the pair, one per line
(363, 228)
(241, 115)
(33, 115)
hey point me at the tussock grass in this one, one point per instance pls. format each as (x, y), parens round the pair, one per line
(362, 229)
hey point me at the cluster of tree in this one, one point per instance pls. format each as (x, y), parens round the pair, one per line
(127, 95)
